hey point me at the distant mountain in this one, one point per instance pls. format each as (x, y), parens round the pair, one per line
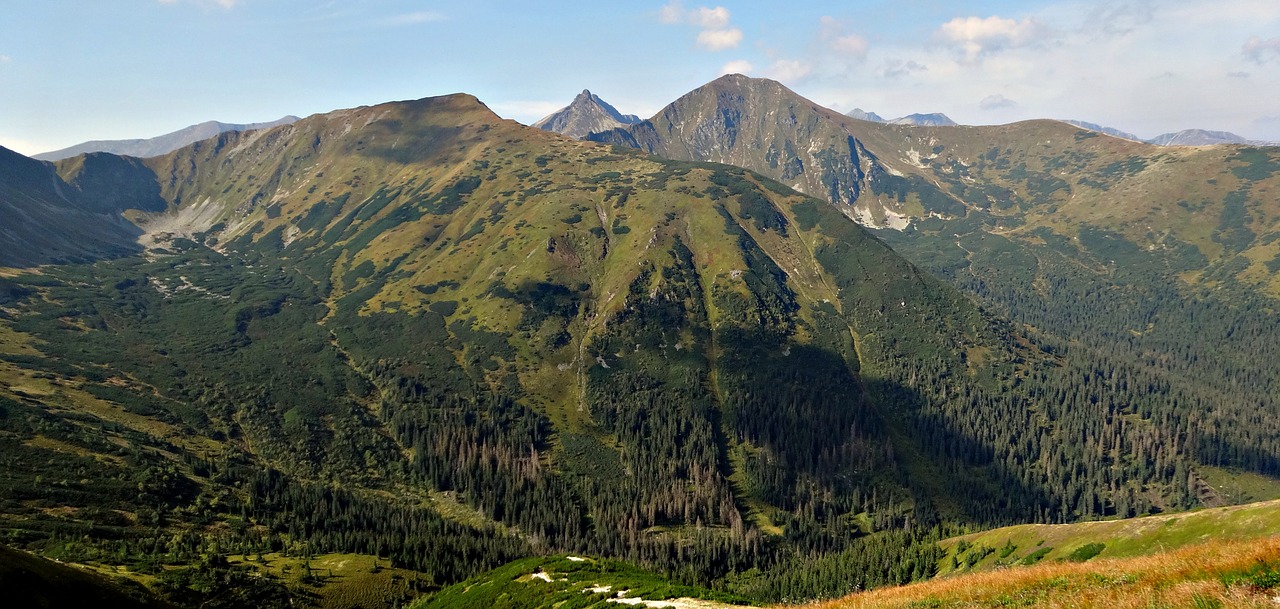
(156, 146)
(936, 119)
(1197, 137)
(1124, 135)
(863, 115)
(586, 114)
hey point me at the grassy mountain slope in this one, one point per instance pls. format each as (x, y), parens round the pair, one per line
(31, 581)
(1217, 574)
(420, 331)
(1149, 271)
(1029, 544)
(47, 220)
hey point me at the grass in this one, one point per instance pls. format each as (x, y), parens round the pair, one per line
(1236, 574)
(1120, 538)
(341, 580)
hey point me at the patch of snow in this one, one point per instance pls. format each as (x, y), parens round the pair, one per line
(576, 559)
(542, 575)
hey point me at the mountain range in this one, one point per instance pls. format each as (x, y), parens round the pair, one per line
(160, 144)
(748, 343)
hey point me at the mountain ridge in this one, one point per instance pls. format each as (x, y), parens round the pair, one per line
(161, 144)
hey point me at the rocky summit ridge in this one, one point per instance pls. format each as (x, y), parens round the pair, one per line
(586, 114)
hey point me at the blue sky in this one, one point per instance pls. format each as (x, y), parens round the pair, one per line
(111, 69)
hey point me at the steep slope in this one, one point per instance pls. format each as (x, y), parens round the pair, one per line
(762, 125)
(46, 219)
(417, 330)
(160, 144)
(1131, 261)
(420, 331)
(31, 581)
(586, 114)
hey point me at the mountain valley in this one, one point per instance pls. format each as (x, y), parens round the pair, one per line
(422, 334)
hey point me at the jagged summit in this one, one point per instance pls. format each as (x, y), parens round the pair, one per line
(586, 114)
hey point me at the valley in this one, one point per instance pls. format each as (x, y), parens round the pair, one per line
(422, 336)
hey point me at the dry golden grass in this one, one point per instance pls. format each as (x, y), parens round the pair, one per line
(1191, 577)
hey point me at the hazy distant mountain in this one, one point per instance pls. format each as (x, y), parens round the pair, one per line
(156, 146)
(936, 119)
(1197, 137)
(863, 115)
(1105, 130)
(586, 114)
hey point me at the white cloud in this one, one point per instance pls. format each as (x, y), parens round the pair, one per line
(1261, 51)
(834, 36)
(976, 37)
(1113, 21)
(710, 18)
(789, 71)
(716, 34)
(719, 40)
(672, 12)
(737, 66)
(897, 68)
(227, 4)
(5, 59)
(996, 102)
(414, 18)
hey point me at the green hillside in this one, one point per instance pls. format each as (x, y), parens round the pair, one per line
(1147, 271)
(1033, 543)
(420, 332)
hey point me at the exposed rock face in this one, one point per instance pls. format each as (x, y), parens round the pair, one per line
(585, 115)
(163, 144)
(758, 123)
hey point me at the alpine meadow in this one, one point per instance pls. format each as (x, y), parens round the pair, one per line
(748, 351)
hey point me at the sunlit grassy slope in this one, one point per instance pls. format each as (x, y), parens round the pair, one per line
(1222, 557)
(1218, 574)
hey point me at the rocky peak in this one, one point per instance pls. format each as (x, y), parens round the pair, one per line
(586, 114)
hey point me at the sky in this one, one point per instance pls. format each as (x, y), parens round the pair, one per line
(72, 71)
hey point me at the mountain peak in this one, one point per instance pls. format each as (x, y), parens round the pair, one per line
(935, 119)
(586, 114)
(863, 115)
